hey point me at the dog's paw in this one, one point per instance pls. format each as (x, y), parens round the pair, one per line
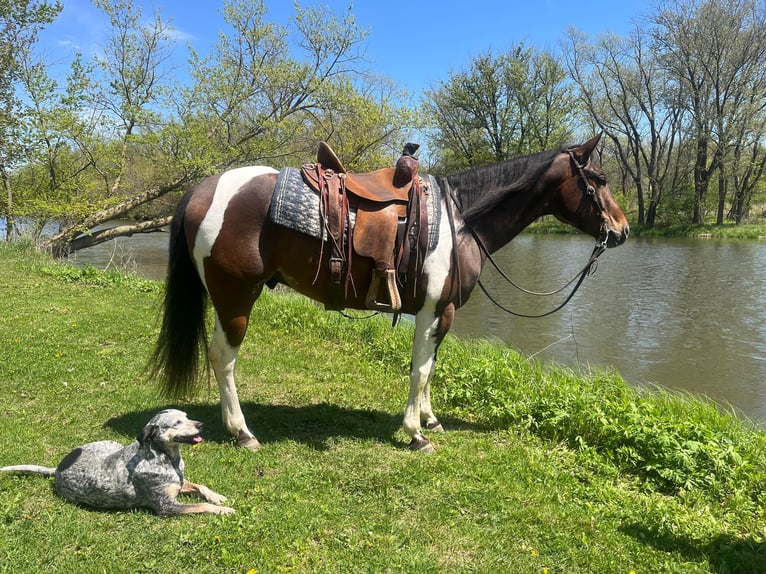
(225, 510)
(215, 498)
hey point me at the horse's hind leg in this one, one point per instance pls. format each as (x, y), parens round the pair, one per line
(223, 358)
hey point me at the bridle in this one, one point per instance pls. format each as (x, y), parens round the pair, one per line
(588, 269)
(591, 192)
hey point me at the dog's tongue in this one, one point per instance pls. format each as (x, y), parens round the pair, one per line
(197, 439)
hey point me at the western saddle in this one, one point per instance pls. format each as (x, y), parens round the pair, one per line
(390, 224)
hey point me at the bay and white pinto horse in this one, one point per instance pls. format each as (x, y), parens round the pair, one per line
(224, 245)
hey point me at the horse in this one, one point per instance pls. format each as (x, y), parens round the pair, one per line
(224, 248)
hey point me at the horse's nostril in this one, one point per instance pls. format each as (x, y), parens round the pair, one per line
(615, 238)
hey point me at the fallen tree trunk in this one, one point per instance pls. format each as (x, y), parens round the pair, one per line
(103, 235)
(80, 234)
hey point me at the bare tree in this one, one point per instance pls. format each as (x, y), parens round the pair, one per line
(623, 90)
(715, 49)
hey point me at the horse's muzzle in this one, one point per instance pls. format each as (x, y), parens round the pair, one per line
(615, 238)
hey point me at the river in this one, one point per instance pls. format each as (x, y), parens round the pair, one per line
(681, 314)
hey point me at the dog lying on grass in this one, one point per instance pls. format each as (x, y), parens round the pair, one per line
(147, 473)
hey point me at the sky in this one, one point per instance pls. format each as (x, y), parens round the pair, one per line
(414, 43)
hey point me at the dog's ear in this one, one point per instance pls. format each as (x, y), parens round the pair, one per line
(147, 434)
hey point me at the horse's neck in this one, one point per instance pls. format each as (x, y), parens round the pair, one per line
(497, 228)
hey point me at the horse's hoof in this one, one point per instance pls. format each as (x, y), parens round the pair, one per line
(248, 441)
(435, 426)
(421, 444)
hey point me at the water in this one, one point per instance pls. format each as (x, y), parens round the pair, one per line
(682, 314)
(145, 254)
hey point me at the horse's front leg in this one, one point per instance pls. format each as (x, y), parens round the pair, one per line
(430, 329)
(223, 358)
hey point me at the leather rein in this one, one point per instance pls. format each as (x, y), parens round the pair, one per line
(588, 269)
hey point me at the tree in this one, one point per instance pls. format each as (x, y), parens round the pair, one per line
(257, 102)
(366, 124)
(501, 106)
(20, 22)
(748, 158)
(125, 101)
(623, 90)
(254, 99)
(716, 49)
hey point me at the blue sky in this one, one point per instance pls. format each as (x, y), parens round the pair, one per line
(414, 43)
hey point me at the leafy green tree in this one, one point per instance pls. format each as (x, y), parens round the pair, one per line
(254, 100)
(251, 101)
(20, 22)
(123, 100)
(501, 106)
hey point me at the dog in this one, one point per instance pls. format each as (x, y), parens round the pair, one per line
(147, 473)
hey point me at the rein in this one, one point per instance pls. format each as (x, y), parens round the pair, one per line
(588, 269)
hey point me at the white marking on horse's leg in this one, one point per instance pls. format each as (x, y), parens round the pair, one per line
(426, 342)
(228, 185)
(423, 357)
(223, 358)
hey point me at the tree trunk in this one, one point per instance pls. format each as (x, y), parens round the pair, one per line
(737, 212)
(9, 219)
(66, 241)
(654, 202)
(103, 235)
(721, 196)
(700, 180)
(642, 217)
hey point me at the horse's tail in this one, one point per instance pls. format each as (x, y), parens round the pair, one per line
(183, 336)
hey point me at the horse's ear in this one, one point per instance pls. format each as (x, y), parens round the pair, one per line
(583, 152)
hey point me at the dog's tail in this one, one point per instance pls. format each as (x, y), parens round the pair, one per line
(30, 469)
(182, 337)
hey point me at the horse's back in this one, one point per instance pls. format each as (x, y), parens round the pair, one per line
(215, 195)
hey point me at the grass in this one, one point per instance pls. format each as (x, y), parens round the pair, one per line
(542, 469)
(704, 231)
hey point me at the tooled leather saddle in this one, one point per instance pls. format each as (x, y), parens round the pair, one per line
(390, 224)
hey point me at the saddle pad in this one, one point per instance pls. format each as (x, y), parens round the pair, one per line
(296, 206)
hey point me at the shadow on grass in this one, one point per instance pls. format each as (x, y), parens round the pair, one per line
(313, 425)
(724, 553)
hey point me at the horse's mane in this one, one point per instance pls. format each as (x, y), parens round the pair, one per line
(479, 190)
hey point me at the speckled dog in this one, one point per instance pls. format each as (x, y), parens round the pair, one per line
(147, 473)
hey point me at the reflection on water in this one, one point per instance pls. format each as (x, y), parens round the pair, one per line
(683, 314)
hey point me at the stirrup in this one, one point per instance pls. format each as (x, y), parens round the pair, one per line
(395, 300)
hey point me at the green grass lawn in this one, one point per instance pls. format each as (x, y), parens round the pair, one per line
(542, 469)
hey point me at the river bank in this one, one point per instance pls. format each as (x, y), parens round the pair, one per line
(544, 469)
(691, 230)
